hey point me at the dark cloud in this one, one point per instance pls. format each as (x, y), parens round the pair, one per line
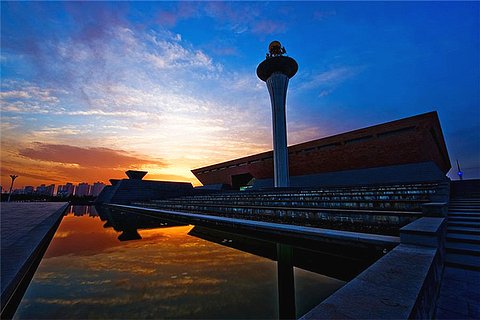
(87, 157)
(9, 168)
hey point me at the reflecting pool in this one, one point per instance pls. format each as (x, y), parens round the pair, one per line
(103, 263)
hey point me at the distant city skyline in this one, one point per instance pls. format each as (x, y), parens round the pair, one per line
(92, 89)
(64, 190)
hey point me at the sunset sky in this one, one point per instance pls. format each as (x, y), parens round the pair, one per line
(91, 89)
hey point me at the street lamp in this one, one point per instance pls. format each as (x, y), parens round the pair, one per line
(13, 177)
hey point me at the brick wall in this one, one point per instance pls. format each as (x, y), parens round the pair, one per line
(409, 140)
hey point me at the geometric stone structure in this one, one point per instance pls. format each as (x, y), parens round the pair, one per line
(411, 148)
(135, 175)
(276, 70)
(125, 191)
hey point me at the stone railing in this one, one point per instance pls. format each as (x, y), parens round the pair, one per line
(403, 284)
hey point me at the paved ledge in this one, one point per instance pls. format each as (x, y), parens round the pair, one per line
(423, 226)
(403, 284)
(459, 295)
(429, 232)
(435, 209)
(26, 229)
(389, 289)
(268, 226)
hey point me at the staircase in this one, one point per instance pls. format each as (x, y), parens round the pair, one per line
(374, 209)
(463, 233)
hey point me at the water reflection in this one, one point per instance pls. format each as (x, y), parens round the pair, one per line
(79, 211)
(128, 224)
(175, 271)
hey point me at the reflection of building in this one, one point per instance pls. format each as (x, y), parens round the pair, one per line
(128, 224)
(412, 149)
(79, 210)
(82, 190)
(97, 188)
(92, 211)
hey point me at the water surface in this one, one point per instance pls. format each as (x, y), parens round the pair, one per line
(132, 266)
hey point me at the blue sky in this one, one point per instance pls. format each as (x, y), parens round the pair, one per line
(92, 88)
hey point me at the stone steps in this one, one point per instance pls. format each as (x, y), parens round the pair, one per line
(464, 219)
(224, 207)
(349, 205)
(465, 209)
(463, 261)
(463, 214)
(463, 248)
(464, 224)
(464, 203)
(462, 245)
(464, 230)
(465, 238)
(405, 199)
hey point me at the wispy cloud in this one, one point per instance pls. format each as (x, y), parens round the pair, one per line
(57, 163)
(328, 78)
(86, 157)
(267, 27)
(149, 81)
(321, 15)
(178, 12)
(326, 81)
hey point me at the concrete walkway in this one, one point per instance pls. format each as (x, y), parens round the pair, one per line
(26, 230)
(459, 294)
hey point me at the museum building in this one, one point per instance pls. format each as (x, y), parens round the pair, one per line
(407, 150)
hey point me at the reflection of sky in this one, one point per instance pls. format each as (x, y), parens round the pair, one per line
(88, 273)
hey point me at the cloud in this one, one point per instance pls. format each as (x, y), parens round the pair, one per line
(267, 27)
(181, 11)
(328, 80)
(12, 168)
(169, 94)
(321, 15)
(59, 163)
(23, 97)
(243, 18)
(86, 157)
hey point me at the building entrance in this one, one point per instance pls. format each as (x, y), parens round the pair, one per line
(241, 180)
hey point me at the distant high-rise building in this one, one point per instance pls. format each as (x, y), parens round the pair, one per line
(65, 190)
(82, 190)
(69, 188)
(45, 190)
(97, 188)
(40, 189)
(28, 190)
(18, 191)
(50, 190)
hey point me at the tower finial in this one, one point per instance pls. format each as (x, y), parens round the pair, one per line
(275, 49)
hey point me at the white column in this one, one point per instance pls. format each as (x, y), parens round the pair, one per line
(277, 85)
